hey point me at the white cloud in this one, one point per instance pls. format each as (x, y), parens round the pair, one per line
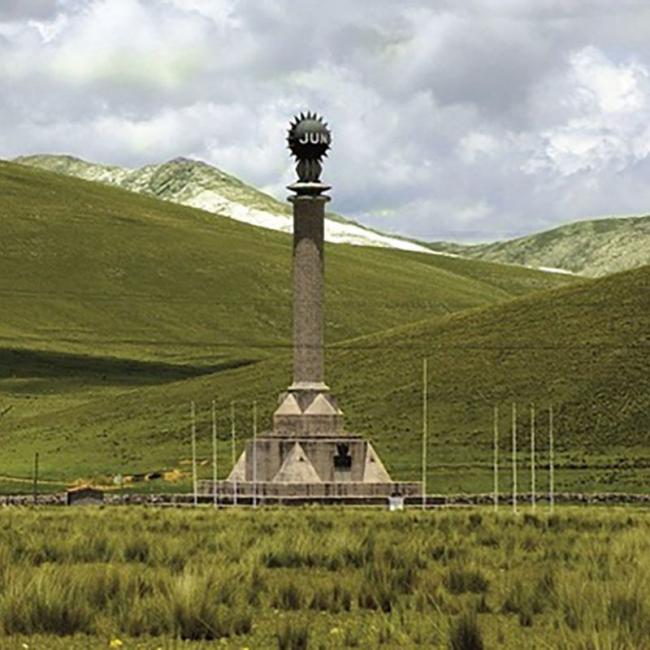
(49, 29)
(219, 11)
(604, 86)
(98, 47)
(607, 112)
(468, 120)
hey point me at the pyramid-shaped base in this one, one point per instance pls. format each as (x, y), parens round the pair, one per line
(307, 412)
(313, 460)
(312, 467)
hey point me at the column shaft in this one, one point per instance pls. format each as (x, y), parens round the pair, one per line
(308, 290)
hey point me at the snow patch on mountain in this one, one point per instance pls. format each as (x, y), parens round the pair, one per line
(336, 232)
(210, 201)
(550, 269)
(349, 233)
(199, 185)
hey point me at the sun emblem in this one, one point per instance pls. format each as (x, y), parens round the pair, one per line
(309, 140)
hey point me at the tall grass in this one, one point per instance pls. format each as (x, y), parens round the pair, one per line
(465, 633)
(326, 578)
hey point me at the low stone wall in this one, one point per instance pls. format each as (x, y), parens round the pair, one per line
(55, 499)
(605, 498)
(183, 500)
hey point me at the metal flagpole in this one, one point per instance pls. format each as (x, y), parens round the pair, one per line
(532, 456)
(514, 457)
(215, 472)
(424, 431)
(496, 458)
(551, 465)
(35, 478)
(194, 481)
(233, 437)
(254, 454)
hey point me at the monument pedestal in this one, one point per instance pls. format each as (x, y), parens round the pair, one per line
(329, 469)
(229, 492)
(272, 459)
(324, 467)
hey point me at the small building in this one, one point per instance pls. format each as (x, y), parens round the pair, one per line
(84, 496)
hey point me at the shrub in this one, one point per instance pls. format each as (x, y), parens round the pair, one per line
(144, 616)
(532, 520)
(48, 602)
(136, 550)
(527, 601)
(627, 611)
(385, 632)
(191, 609)
(321, 599)
(377, 590)
(475, 519)
(342, 597)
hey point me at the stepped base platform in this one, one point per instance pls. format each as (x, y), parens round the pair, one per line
(339, 468)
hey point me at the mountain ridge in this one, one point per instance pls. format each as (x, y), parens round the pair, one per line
(197, 184)
(593, 247)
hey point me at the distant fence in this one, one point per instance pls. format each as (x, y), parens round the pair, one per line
(432, 501)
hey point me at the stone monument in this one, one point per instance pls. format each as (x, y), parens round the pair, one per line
(308, 454)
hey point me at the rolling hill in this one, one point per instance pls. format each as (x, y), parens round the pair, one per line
(91, 270)
(196, 184)
(106, 293)
(118, 309)
(583, 348)
(591, 248)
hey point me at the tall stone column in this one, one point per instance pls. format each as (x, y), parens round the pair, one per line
(307, 408)
(308, 289)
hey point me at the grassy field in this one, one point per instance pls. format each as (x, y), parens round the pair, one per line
(119, 309)
(582, 348)
(96, 271)
(324, 578)
(116, 305)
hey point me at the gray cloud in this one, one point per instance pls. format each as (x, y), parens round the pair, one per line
(473, 120)
(15, 10)
(21, 9)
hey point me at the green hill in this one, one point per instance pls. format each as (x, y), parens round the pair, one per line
(592, 248)
(180, 180)
(196, 184)
(105, 291)
(89, 269)
(582, 348)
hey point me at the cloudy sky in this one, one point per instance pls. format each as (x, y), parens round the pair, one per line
(470, 120)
